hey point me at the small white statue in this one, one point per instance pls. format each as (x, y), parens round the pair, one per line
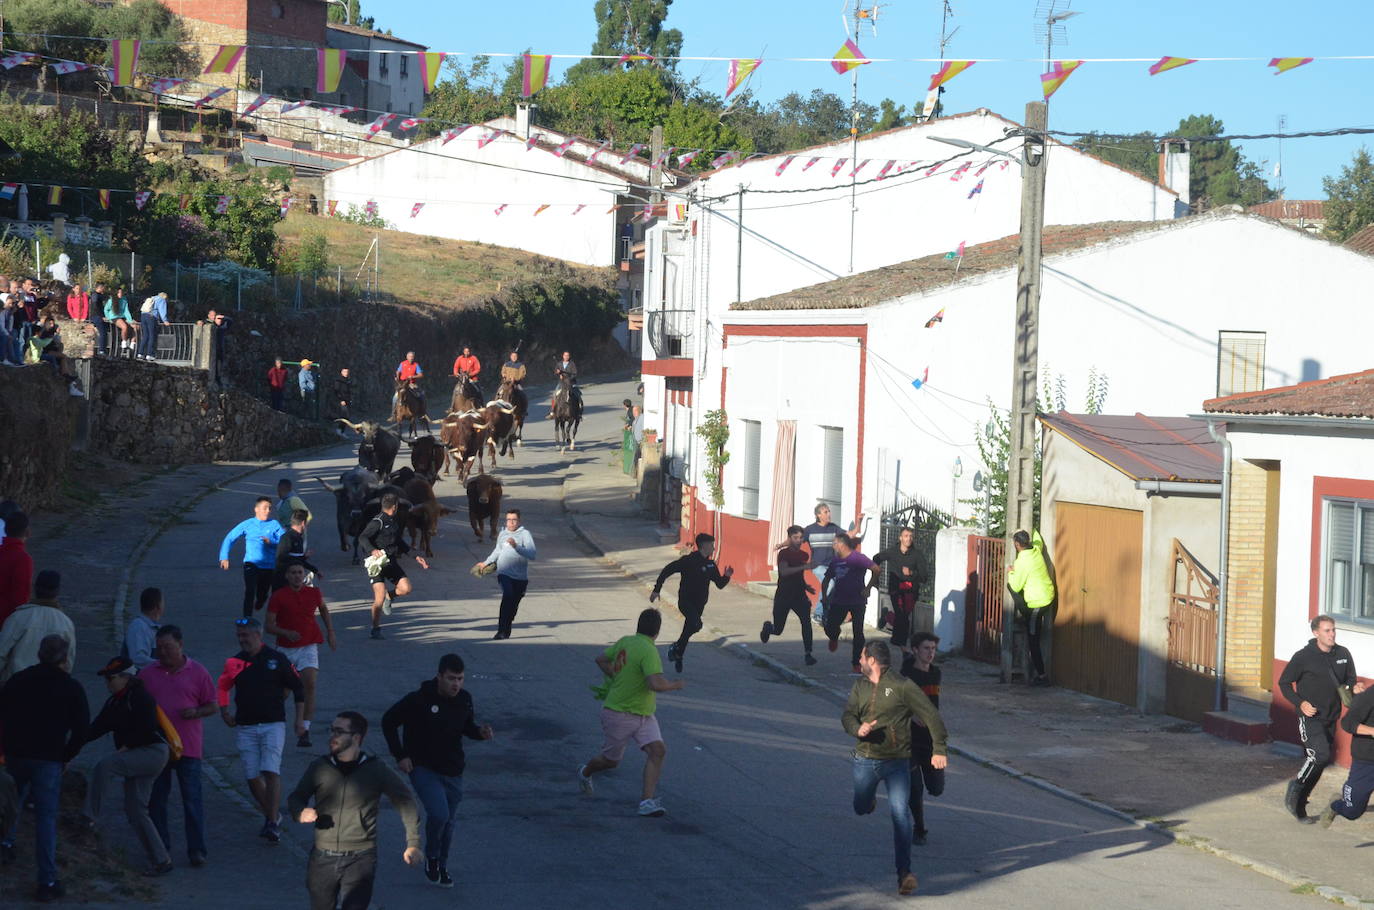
(59, 270)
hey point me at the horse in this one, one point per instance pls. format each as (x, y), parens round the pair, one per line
(466, 395)
(567, 413)
(409, 406)
(515, 396)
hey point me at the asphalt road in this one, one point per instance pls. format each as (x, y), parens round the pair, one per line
(757, 780)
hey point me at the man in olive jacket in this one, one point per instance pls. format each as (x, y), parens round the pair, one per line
(347, 787)
(879, 713)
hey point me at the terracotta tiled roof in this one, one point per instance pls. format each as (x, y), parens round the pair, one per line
(1290, 209)
(371, 33)
(1363, 241)
(1144, 448)
(1351, 395)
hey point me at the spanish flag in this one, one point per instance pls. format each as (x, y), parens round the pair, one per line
(948, 71)
(224, 59)
(848, 57)
(740, 70)
(536, 73)
(1284, 64)
(1061, 70)
(124, 57)
(1164, 64)
(54, 195)
(330, 69)
(429, 68)
(104, 197)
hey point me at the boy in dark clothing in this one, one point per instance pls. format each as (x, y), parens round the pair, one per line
(1359, 723)
(382, 537)
(425, 731)
(291, 550)
(1310, 681)
(903, 580)
(919, 667)
(697, 573)
(790, 596)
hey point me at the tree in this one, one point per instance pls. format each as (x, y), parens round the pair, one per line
(353, 15)
(629, 26)
(469, 94)
(1350, 197)
(1136, 154)
(164, 52)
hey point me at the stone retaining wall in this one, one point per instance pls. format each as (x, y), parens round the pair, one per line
(37, 421)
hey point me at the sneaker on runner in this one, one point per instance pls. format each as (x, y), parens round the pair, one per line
(765, 632)
(377, 633)
(583, 781)
(386, 606)
(810, 661)
(833, 645)
(652, 808)
(266, 830)
(432, 871)
(907, 884)
(304, 741)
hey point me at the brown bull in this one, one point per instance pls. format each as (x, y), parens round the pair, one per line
(425, 512)
(484, 501)
(463, 437)
(500, 419)
(427, 457)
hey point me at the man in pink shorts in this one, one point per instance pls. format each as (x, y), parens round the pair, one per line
(634, 673)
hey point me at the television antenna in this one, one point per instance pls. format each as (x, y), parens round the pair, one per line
(1049, 25)
(855, 12)
(932, 107)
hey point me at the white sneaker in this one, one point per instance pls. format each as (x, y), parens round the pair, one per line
(584, 781)
(386, 606)
(652, 808)
(75, 392)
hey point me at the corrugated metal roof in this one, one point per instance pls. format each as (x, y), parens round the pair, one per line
(1349, 395)
(1144, 448)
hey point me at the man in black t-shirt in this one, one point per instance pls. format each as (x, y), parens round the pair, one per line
(790, 596)
(903, 580)
(919, 667)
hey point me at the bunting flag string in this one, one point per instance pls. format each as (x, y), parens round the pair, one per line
(839, 163)
(886, 168)
(664, 158)
(1165, 64)
(635, 58)
(1052, 81)
(64, 67)
(541, 209)
(564, 146)
(415, 209)
(848, 57)
(285, 205)
(500, 208)
(612, 209)
(634, 150)
(739, 73)
(858, 167)
(213, 94)
(329, 68)
(141, 199)
(688, 157)
(411, 122)
(534, 140)
(338, 111)
(332, 206)
(103, 197)
(1284, 64)
(225, 59)
(221, 204)
(124, 60)
(722, 160)
(579, 208)
(777, 172)
(806, 167)
(452, 134)
(933, 169)
(8, 190)
(948, 71)
(17, 58)
(54, 195)
(958, 174)
(925, 377)
(976, 190)
(430, 61)
(536, 73)
(163, 86)
(257, 103)
(376, 126)
(599, 149)
(489, 138)
(940, 316)
(289, 106)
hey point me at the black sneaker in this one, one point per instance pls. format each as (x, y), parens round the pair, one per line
(377, 634)
(918, 838)
(810, 661)
(445, 880)
(882, 619)
(158, 869)
(50, 892)
(197, 859)
(272, 832)
(432, 871)
(765, 632)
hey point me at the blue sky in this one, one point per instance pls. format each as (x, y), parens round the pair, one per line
(1113, 97)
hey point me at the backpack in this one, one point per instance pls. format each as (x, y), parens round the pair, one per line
(147, 306)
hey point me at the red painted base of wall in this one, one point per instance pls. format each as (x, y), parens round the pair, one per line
(743, 543)
(1218, 724)
(1283, 721)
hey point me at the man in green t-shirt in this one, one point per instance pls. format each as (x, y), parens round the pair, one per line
(633, 673)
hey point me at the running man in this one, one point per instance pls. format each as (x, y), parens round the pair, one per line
(1311, 683)
(260, 535)
(512, 555)
(849, 594)
(820, 537)
(697, 572)
(291, 548)
(879, 713)
(919, 667)
(259, 676)
(291, 617)
(903, 580)
(382, 537)
(790, 596)
(633, 674)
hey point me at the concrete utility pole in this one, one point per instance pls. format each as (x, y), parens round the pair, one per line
(1025, 360)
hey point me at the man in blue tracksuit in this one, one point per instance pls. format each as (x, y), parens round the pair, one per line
(512, 555)
(260, 535)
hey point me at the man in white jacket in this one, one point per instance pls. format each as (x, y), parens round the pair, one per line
(512, 555)
(31, 623)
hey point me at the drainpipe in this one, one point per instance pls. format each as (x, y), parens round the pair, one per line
(1223, 576)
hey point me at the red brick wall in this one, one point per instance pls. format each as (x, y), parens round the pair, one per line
(303, 20)
(231, 13)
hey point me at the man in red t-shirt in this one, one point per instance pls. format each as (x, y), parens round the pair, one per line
(291, 617)
(16, 565)
(276, 384)
(467, 363)
(790, 596)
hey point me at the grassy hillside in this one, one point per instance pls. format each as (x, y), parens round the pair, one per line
(432, 270)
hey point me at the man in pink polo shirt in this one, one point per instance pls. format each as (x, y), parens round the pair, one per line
(185, 692)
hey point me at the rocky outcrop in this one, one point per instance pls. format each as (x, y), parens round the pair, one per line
(37, 421)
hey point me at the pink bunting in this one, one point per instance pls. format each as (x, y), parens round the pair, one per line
(415, 209)
(777, 172)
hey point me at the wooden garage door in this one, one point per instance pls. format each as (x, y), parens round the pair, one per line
(1097, 623)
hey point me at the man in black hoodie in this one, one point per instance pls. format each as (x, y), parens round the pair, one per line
(1359, 786)
(425, 731)
(1310, 682)
(347, 786)
(698, 572)
(45, 716)
(130, 713)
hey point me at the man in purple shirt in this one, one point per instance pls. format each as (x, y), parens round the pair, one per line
(185, 692)
(850, 571)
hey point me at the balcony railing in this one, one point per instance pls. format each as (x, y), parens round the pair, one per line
(670, 333)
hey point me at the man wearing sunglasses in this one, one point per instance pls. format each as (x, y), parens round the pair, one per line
(347, 787)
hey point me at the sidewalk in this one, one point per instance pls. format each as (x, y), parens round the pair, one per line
(1153, 770)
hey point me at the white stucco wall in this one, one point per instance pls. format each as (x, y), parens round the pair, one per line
(1302, 456)
(407, 88)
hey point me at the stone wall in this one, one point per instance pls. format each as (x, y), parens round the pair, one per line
(37, 417)
(149, 413)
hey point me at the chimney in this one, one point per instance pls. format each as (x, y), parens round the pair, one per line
(1175, 168)
(523, 109)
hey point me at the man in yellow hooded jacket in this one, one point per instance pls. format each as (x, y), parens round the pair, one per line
(1030, 579)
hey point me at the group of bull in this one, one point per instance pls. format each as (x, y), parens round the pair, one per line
(469, 427)
(358, 496)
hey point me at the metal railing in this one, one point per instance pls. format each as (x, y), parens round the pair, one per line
(670, 332)
(175, 344)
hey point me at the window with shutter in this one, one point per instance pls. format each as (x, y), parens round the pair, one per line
(832, 470)
(1340, 546)
(749, 484)
(1240, 362)
(1366, 594)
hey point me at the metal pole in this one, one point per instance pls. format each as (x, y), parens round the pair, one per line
(1025, 360)
(176, 280)
(133, 267)
(338, 282)
(853, 145)
(90, 272)
(655, 172)
(1223, 573)
(739, 247)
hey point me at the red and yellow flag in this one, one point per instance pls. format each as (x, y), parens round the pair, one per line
(1061, 70)
(536, 73)
(740, 70)
(948, 71)
(329, 69)
(429, 68)
(225, 59)
(104, 197)
(124, 60)
(1164, 64)
(1284, 64)
(54, 195)
(541, 208)
(848, 57)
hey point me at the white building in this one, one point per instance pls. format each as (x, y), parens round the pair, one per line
(1169, 312)
(772, 225)
(383, 72)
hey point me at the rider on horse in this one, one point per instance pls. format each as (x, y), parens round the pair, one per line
(514, 371)
(468, 363)
(566, 367)
(408, 372)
